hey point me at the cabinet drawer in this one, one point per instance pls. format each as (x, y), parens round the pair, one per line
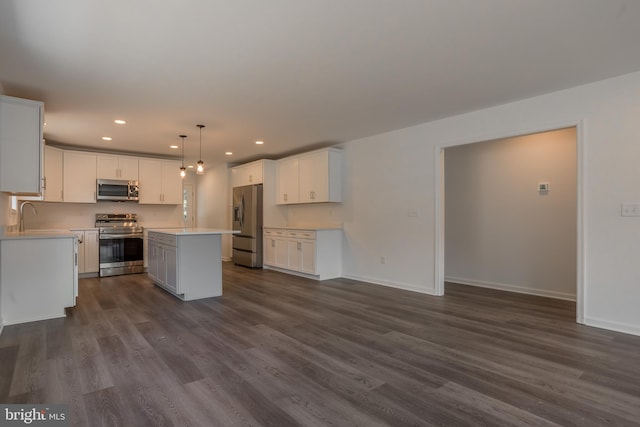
(275, 232)
(164, 239)
(301, 234)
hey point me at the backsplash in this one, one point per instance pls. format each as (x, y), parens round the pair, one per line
(82, 215)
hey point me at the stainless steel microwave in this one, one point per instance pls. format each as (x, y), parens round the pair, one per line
(116, 189)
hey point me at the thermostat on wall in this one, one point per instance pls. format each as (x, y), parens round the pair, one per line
(543, 187)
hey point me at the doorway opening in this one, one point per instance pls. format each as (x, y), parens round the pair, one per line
(510, 214)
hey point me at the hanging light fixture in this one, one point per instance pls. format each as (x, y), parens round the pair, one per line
(200, 167)
(183, 170)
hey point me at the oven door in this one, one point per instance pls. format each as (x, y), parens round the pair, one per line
(121, 254)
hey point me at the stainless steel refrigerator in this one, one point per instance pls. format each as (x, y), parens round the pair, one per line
(247, 217)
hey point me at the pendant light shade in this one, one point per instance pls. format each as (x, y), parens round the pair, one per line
(183, 170)
(200, 167)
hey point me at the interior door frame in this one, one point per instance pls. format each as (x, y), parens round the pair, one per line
(580, 208)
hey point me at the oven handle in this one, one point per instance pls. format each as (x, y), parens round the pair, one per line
(121, 236)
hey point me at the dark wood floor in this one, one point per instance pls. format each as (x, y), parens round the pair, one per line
(279, 350)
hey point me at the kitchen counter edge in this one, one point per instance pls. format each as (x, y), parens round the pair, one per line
(35, 234)
(190, 231)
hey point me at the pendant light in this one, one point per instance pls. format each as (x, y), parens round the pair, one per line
(183, 170)
(200, 167)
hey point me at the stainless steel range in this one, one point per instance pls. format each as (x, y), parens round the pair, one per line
(121, 244)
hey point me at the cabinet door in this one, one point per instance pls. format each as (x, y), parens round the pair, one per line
(251, 173)
(53, 167)
(171, 183)
(171, 268)
(282, 257)
(287, 181)
(152, 260)
(150, 181)
(81, 246)
(20, 145)
(294, 253)
(91, 251)
(269, 251)
(128, 168)
(314, 177)
(107, 167)
(308, 262)
(79, 177)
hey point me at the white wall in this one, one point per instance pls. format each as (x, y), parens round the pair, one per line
(391, 172)
(500, 231)
(214, 203)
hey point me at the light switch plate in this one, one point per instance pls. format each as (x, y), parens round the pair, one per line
(630, 209)
(543, 187)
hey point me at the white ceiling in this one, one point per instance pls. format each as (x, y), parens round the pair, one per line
(294, 73)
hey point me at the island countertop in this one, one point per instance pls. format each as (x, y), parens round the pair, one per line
(191, 231)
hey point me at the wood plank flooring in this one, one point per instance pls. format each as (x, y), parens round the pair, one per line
(278, 350)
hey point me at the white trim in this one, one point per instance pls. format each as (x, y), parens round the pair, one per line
(511, 288)
(227, 258)
(35, 319)
(579, 124)
(625, 328)
(396, 285)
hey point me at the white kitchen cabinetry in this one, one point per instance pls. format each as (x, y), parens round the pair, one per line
(53, 174)
(117, 167)
(79, 177)
(160, 182)
(21, 145)
(313, 177)
(275, 247)
(187, 265)
(88, 252)
(287, 181)
(311, 253)
(248, 174)
(42, 288)
(320, 174)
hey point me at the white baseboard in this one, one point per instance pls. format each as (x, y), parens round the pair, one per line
(403, 286)
(612, 326)
(1, 325)
(511, 288)
(227, 258)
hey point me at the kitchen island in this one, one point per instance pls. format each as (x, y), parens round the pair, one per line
(187, 262)
(38, 275)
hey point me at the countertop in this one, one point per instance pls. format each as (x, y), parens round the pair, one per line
(191, 231)
(315, 227)
(37, 234)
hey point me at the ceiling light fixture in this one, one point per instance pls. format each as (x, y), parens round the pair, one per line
(228, 153)
(183, 170)
(119, 122)
(200, 168)
(173, 146)
(107, 138)
(259, 142)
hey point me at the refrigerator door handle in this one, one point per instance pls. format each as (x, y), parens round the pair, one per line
(241, 211)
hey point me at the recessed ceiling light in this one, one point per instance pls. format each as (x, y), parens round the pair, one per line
(173, 146)
(119, 122)
(259, 142)
(190, 166)
(107, 138)
(228, 153)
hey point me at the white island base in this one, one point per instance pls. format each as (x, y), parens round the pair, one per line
(187, 262)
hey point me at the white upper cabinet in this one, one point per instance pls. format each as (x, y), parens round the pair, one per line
(21, 145)
(287, 181)
(53, 174)
(79, 177)
(160, 182)
(312, 177)
(248, 174)
(117, 167)
(320, 174)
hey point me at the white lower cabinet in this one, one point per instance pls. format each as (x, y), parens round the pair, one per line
(88, 252)
(188, 266)
(313, 253)
(39, 278)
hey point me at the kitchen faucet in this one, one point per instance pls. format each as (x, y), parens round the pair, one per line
(35, 212)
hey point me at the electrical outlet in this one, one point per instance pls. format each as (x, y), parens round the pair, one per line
(630, 209)
(412, 212)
